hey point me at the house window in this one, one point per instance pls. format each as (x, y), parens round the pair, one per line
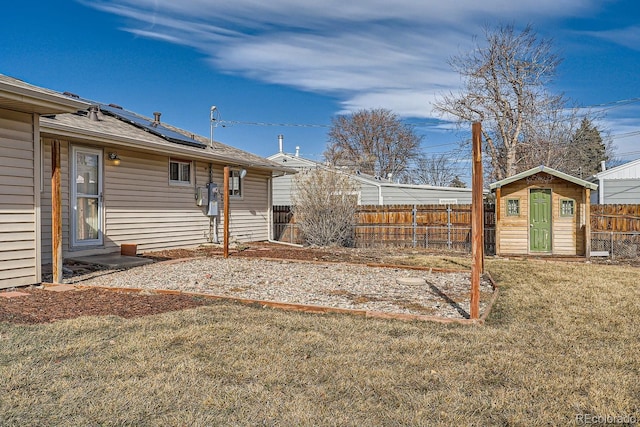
(567, 207)
(513, 207)
(235, 183)
(179, 172)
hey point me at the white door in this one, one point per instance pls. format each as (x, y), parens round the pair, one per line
(86, 197)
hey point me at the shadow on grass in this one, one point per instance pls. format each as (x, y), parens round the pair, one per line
(449, 301)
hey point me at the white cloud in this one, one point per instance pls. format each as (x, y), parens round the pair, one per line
(628, 37)
(367, 53)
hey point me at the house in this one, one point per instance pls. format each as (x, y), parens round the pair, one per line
(108, 177)
(542, 212)
(618, 185)
(373, 190)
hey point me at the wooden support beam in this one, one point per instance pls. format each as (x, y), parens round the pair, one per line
(226, 212)
(56, 212)
(497, 225)
(477, 217)
(587, 222)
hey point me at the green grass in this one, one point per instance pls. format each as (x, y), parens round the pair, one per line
(563, 339)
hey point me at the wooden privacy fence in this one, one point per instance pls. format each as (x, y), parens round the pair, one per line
(614, 228)
(428, 226)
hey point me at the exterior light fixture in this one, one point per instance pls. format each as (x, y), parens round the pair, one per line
(114, 158)
(243, 173)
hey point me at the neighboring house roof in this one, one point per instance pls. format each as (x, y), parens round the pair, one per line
(301, 163)
(20, 96)
(115, 131)
(545, 169)
(628, 170)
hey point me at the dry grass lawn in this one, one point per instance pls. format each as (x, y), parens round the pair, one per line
(563, 340)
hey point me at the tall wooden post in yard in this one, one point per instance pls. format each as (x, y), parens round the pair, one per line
(226, 212)
(477, 220)
(56, 213)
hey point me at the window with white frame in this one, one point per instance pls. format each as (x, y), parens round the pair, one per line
(567, 207)
(235, 183)
(179, 172)
(513, 207)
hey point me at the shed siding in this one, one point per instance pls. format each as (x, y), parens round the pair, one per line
(567, 233)
(514, 230)
(567, 240)
(621, 191)
(18, 221)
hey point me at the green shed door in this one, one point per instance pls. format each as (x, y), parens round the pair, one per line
(540, 220)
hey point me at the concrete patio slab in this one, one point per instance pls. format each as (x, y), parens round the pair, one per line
(114, 260)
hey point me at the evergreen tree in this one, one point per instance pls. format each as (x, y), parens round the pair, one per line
(587, 150)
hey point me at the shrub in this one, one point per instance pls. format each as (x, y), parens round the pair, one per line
(324, 203)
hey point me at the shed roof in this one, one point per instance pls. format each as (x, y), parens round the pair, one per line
(544, 169)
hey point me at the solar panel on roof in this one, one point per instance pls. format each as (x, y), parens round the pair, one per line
(156, 129)
(151, 127)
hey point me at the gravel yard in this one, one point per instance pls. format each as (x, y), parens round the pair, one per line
(339, 285)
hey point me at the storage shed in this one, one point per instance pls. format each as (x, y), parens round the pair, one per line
(542, 212)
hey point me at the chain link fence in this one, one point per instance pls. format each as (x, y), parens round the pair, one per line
(616, 245)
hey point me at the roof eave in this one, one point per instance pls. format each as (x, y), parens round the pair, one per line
(58, 130)
(542, 168)
(23, 98)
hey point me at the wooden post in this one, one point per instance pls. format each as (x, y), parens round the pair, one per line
(56, 212)
(477, 249)
(226, 212)
(587, 223)
(497, 224)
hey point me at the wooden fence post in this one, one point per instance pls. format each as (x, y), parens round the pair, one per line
(477, 221)
(226, 212)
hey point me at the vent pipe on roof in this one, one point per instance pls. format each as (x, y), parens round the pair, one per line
(603, 166)
(280, 142)
(93, 113)
(297, 151)
(156, 118)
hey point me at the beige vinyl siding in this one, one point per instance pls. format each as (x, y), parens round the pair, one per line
(142, 207)
(249, 220)
(18, 221)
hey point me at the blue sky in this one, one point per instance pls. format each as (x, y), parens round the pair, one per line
(300, 63)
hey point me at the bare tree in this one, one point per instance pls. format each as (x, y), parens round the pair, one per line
(324, 204)
(434, 169)
(505, 87)
(373, 141)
